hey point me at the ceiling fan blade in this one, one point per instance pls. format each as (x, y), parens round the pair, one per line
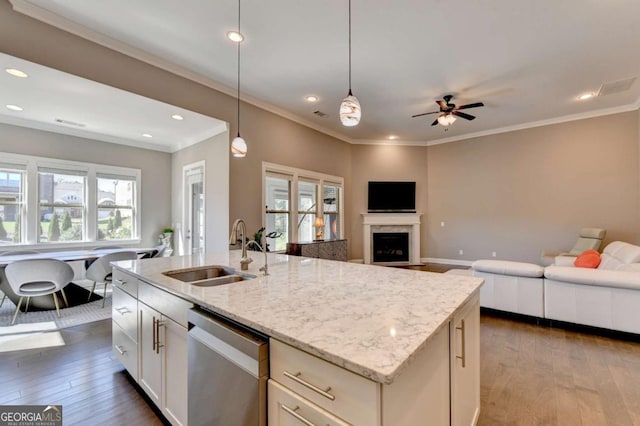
(475, 105)
(463, 115)
(443, 104)
(435, 123)
(426, 113)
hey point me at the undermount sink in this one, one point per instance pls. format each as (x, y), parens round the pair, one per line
(199, 273)
(208, 276)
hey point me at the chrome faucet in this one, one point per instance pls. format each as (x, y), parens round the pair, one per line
(233, 239)
(263, 248)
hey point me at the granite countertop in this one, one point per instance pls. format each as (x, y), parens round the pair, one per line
(369, 319)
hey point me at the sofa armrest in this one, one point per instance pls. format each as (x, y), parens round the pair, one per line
(564, 260)
(597, 277)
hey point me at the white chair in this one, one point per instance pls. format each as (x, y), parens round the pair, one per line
(100, 270)
(14, 253)
(37, 277)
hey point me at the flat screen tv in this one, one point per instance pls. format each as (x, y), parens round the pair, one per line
(389, 197)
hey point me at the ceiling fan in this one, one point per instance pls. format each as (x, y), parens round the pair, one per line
(449, 112)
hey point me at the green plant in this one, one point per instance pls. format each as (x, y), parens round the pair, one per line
(167, 230)
(54, 228)
(118, 219)
(111, 225)
(16, 230)
(66, 221)
(3, 232)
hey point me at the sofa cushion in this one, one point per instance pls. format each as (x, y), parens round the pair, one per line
(619, 253)
(597, 277)
(587, 259)
(505, 267)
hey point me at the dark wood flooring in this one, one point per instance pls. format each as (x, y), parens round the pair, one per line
(530, 375)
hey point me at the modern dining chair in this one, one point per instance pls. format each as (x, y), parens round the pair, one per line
(37, 277)
(100, 270)
(88, 262)
(14, 253)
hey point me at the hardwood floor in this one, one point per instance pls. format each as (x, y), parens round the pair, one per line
(530, 375)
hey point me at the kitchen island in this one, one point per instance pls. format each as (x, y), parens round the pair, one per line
(394, 328)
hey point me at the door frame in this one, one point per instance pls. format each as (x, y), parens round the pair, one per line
(187, 235)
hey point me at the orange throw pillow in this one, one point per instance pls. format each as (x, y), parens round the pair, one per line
(588, 259)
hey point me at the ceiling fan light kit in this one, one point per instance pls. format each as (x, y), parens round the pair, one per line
(450, 112)
(238, 145)
(350, 110)
(446, 119)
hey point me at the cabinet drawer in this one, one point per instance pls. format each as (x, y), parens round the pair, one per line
(125, 282)
(124, 312)
(171, 306)
(287, 408)
(349, 396)
(126, 350)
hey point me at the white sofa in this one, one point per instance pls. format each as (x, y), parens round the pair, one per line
(606, 297)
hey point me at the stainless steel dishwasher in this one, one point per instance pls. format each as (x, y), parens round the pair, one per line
(228, 372)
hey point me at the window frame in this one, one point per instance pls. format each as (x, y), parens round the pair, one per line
(9, 168)
(30, 228)
(295, 175)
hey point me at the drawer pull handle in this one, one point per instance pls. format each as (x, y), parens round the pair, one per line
(123, 311)
(464, 355)
(119, 349)
(296, 415)
(120, 282)
(323, 392)
(156, 331)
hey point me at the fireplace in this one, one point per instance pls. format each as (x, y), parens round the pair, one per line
(388, 225)
(390, 247)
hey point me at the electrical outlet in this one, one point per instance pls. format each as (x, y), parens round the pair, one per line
(460, 252)
(442, 224)
(493, 254)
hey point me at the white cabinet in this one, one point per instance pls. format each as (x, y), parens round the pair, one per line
(163, 352)
(435, 389)
(465, 365)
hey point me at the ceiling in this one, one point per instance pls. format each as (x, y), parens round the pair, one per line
(527, 60)
(96, 111)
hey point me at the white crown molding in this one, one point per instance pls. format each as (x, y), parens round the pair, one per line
(215, 131)
(55, 20)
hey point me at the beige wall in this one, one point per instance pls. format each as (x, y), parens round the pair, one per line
(517, 193)
(384, 162)
(156, 196)
(269, 136)
(213, 152)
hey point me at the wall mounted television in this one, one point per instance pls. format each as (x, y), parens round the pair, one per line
(392, 197)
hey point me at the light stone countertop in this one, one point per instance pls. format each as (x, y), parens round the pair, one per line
(369, 319)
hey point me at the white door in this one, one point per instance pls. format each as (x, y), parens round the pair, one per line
(194, 208)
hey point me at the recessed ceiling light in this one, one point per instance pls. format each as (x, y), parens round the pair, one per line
(311, 98)
(392, 137)
(14, 107)
(586, 96)
(16, 72)
(147, 135)
(177, 117)
(235, 36)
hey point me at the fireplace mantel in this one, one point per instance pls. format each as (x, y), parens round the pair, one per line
(409, 221)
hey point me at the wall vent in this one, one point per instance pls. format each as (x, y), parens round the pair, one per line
(616, 86)
(70, 123)
(320, 114)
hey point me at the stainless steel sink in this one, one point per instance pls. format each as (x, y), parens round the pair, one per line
(221, 280)
(199, 273)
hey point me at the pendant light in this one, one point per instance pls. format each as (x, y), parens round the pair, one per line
(350, 111)
(238, 145)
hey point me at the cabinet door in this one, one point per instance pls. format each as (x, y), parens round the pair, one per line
(150, 369)
(174, 339)
(287, 408)
(465, 365)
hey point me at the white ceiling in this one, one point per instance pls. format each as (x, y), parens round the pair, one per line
(527, 60)
(107, 113)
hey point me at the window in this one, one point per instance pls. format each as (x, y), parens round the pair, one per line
(294, 198)
(62, 209)
(277, 210)
(12, 196)
(115, 196)
(54, 202)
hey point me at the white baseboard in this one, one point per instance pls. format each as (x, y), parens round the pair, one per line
(446, 261)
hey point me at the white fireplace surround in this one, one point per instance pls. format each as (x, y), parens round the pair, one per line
(392, 222)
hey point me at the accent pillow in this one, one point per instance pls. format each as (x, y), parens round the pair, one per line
(588, 259)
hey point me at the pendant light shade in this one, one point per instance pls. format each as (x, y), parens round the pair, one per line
(446, 119)
(350, 110)
(238, 145)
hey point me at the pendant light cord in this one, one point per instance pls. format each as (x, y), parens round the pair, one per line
(239, 69)
(350, 94)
